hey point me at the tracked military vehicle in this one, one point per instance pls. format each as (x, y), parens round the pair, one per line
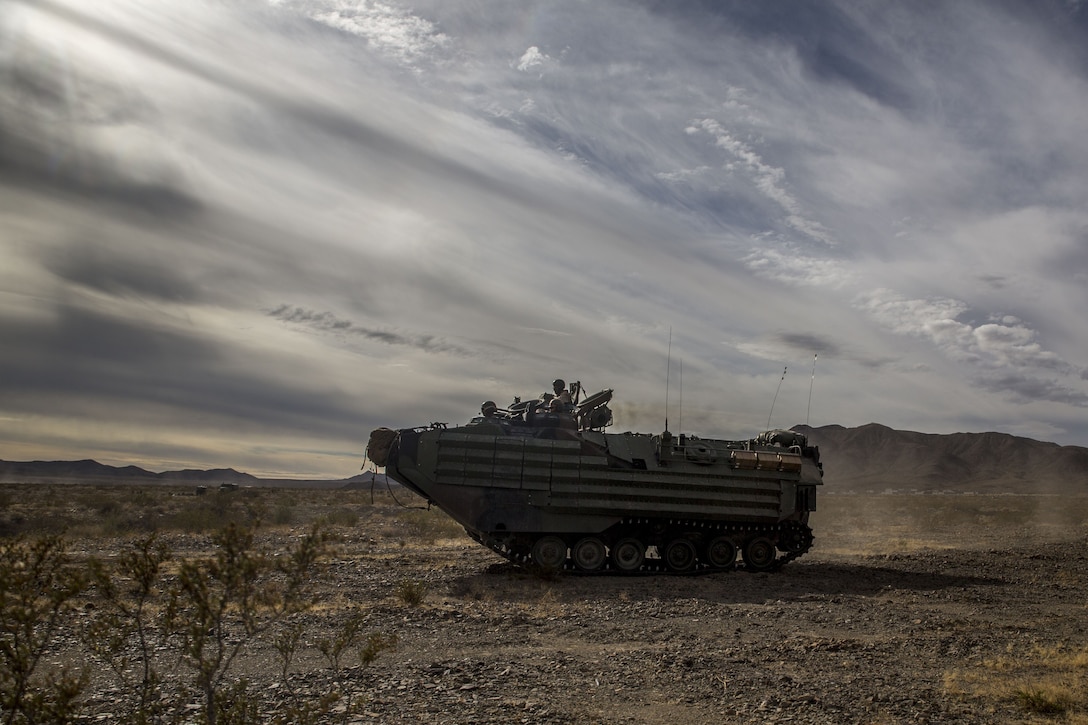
(542, 484)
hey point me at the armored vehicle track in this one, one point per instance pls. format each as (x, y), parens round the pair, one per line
(695, 548)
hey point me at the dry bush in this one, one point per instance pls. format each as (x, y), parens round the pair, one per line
(345, 517)
(39, 585)
(1043, 681)
(425, 526)
(200, 603)
(150, 611)
(220, 604)
(412, 592)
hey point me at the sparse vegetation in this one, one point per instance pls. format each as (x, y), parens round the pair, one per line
(150, 608)
(412, 592)
(219, 605)
(406, 617)
(1042, 681)
(127, 594)
(427, 526)
(341, 517)
(38, 589)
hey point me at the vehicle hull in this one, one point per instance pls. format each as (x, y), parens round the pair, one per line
(511, 484)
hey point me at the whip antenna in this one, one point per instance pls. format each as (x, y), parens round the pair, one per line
(810, 384)
(668, 363)
(680, 425)
(776, 396)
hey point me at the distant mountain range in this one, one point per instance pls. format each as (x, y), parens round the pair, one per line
(871, 457)
(88, 471)
(874, 457)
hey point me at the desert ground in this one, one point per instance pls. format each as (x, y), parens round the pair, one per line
(908, 609)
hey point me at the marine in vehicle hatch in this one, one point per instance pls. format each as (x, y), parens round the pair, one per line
(562, 402)
(550, 489)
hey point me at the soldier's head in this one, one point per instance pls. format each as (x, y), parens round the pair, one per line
(558, 386)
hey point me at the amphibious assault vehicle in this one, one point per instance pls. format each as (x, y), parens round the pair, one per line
(542, 484)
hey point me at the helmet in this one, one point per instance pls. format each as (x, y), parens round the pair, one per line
(558, 383)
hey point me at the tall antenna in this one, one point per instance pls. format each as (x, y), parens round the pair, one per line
(776, 396)
(810, 384)
(668, 364)
(680, 425)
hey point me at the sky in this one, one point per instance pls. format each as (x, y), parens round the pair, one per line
(245, 234)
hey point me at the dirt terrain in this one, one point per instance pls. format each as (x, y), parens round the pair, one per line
(958, 610)
(830, 639)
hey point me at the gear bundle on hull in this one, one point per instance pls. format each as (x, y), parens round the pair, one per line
(544, 486)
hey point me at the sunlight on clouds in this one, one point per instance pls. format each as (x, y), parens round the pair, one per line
(932, 319)
(791, 267)
(1014, 345)
(1005, 352)
(532, 60)
(389, 29)
(252, 228)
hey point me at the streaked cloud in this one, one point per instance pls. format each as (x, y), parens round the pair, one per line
(242, 235)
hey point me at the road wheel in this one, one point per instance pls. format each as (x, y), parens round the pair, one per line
(680, 555)
(759, 554)
(628, 555)
(589, 554)
(720, 553)
(549, 553)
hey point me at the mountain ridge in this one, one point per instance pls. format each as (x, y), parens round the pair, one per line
(874, 457)
(91, 471)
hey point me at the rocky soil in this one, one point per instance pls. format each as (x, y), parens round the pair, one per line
(919, 634)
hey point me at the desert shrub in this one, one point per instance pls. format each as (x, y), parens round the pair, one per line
(168, 629)
(99, 501)
(122, 521)
(412, 592)
(286, 638)
(348, 638)
(221, 604)
(343, 639)
(236, 705)
(38, 586)
(283, 515)
(1043, 700)
(426, 526)
(375, 644)
(209, 614)
(1043, 680)
(121, 632)
(341, 517)
(213, 512)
